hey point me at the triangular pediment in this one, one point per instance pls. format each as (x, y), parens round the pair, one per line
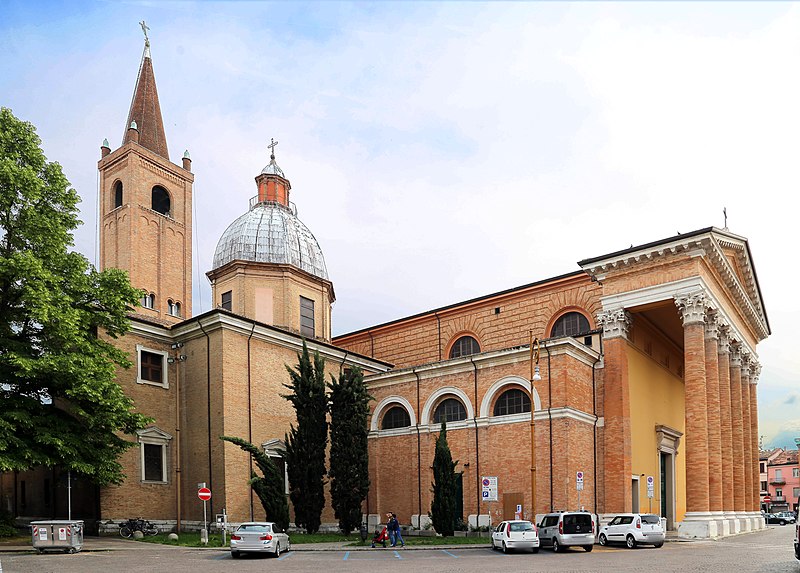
(153, 433)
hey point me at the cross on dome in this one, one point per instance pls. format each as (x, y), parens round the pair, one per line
(271, 147)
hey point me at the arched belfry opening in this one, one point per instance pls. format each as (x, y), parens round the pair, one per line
(160, 200)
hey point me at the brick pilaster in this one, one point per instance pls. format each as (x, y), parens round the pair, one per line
(692, 307)
(737, 471)
(756, 504)
(726, 437)
(715, 476)
(616, 411)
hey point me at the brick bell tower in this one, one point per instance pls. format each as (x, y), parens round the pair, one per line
(146, 207)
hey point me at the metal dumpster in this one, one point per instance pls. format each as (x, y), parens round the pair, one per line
(57, 535)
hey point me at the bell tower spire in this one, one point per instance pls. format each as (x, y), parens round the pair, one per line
(145, 110)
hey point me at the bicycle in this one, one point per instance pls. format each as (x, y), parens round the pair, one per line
(128, 528)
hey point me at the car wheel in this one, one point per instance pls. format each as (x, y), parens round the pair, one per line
(603, 540)
(556, 546)
(235, 554)
(657, 545)
(288, 546)
(630, 542)
(782, 522)
(534, 550)
(588, 548)
(277, 550)
(505, 548)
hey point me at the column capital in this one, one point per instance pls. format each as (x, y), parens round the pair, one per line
(724, 330)
(755, 371)
(712, 325)
(616, 323)
(692, 307)
(736, 354)
(746, 363)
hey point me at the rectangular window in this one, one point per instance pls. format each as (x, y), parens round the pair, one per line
(796, 472)
(306, 317)
(778, 493)
(796, 493)
(763, 486)
(227, 300)
(151, 366)
(153, 457)
(778, 474)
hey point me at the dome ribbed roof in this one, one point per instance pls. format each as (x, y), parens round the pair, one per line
(271, 233)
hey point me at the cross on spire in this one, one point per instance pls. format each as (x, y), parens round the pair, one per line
(271, 148)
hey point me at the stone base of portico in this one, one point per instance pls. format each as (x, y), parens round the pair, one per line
(745, 520)
(732, 524)
(756, 520)
(723, 525)
(699, 525)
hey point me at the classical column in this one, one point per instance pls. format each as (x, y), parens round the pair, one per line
(715, 475)
(726, 436)
(736, 431)
(697, 522)
(756, 371)
(616, 411)
(747, 448)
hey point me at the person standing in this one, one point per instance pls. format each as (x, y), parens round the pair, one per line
(395, 535)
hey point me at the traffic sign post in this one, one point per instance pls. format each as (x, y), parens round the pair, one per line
(579, 485)
(650, 488)
(489, 488)
(204, 494)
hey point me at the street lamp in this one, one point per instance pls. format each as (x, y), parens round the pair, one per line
(535, 376)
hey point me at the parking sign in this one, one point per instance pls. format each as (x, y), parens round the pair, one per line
(489, 488)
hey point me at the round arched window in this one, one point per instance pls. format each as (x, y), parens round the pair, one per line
(464, 346)
(571, 324)
(450, 410)
(118, 194)
(513, 401)
(160, 201)
(395, 417)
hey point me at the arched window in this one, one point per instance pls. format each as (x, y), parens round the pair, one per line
(149, 301)
(117, 194)
(396, 417)
(571, 324)
(450, 410)
(513, 401)
(464, 346)
(160, 202)
(173, 308)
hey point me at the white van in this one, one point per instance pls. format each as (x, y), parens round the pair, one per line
(566, 529)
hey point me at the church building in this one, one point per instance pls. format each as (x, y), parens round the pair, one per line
(626, 385)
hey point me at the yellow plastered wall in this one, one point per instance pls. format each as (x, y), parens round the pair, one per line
(656, 398)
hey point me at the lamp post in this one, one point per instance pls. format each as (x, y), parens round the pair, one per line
(534, 362)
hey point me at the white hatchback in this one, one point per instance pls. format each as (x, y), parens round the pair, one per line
(518, 534)
(259, 537)
(633, 529)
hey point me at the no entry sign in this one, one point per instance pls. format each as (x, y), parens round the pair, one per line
(204, 493)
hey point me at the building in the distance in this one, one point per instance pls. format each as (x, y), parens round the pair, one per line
(626, 385)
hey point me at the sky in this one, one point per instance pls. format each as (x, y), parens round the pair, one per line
(441, 151)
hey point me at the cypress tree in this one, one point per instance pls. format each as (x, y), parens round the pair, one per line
(349, 466)
(306, 442)
(443, 508)
(269, 486)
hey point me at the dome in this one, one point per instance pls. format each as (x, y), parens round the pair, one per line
(273, 169)
(270, 233)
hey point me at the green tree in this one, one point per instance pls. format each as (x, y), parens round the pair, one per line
(443, 507)
(61, 405)
(306, 442)
(349, 471)
(269, 486)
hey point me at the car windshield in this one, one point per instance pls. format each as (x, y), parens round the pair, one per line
(652, 519)
(524, 526)
(255, 527)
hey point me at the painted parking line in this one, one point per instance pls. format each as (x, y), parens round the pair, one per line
(346, 555)
(288, 554)
(450, 554)
(396, 554)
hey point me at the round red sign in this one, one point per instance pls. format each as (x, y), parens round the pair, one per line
(766, 499)
(204, 493)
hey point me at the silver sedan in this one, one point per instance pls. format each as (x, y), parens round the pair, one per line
(259, 537)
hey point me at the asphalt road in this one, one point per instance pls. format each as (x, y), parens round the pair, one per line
(766, 551)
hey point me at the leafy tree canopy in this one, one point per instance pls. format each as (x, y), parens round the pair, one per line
(349, 466)
(60, 402)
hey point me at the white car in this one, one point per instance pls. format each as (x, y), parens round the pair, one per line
(633, 529)
(520, 534)
(259, 537)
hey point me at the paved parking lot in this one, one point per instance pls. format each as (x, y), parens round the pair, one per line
(770, 550)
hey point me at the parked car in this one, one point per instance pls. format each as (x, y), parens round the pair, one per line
(259, 537)
(776, 518)
(633, 529)
(519, 534)
(797, 540)
(566, 529)
(789, 516)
